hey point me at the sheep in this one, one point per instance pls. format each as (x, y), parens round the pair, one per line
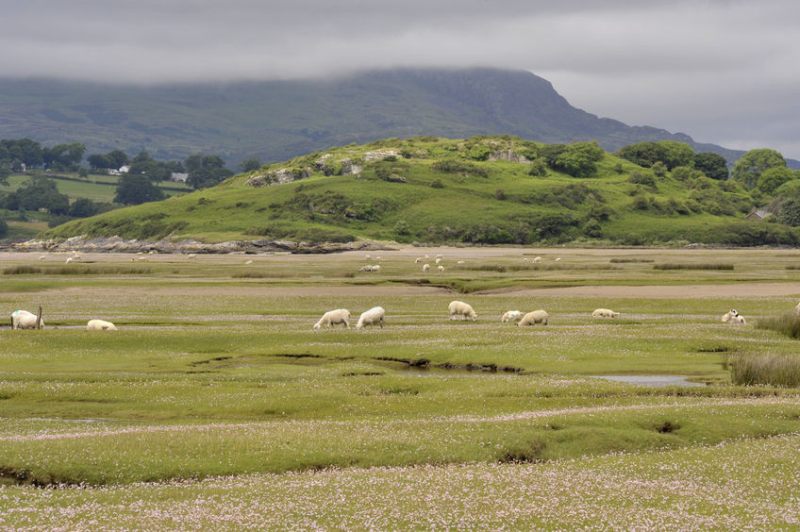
(22, 319)
(370, 268)
(511, 315)
(604, 313)
(334, 317)
(69, 259)
(417, 260)
(100, 325)
(373, 316)
(532, 318)
(191, 255)
(459, 308)
(367, 256)
(42, 257)
(797, 309)
(738, 320)
(537, 260)
(426, 267)
(732, 313)
(378, 258)
(248, 262)
(558, 259)
(438, 260)
(440, 268)
(460, 262)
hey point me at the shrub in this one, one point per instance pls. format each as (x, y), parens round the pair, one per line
(577, 160)
(787, 324)
(453, 166)
(659, 169)
(538, 167)
(705, 266)
(402, 228)
(500, 194)
(437, 183)
(641, 178)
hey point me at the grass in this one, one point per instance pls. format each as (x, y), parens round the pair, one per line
(555, 209)
(707, 266)
(788, 324)
(764, 369)
(217, 375)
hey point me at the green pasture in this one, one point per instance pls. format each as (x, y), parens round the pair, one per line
(215, 371)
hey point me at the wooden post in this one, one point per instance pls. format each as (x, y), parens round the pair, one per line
(39, 318)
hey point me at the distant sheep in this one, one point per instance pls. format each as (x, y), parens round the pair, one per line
(511, 315)
(537, 260)
(334, 317)
(191, 255)
(604, 313)
(797, 309)
(438, 260)
(426, 267)
(417, 260)
(42, 257)
(460, 262)
(558, 259)
(373, 316)
(440, 268)
(728, 316)
(459, 308)
(532, 318)
(69, 259)
(22, 319)
(738, 320)
(370, 268)
(248, 262)
(100, 325)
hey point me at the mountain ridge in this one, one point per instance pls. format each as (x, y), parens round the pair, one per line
(276, 120)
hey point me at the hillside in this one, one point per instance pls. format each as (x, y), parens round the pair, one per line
(276, 120)
(475, 191)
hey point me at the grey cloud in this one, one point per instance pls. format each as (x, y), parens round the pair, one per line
(720, 70)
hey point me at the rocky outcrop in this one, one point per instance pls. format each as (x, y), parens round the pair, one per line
(380, 155)
(508, 155)
(278, 177)
(116, 244)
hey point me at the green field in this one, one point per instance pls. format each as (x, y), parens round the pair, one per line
(215, 404)
(95, 187)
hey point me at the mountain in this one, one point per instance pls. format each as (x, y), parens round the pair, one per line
(482, 190)
(275, 120)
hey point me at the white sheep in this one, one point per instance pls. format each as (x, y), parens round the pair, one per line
(604, 313)
(532, 318)
(42, 257)
(459, 308)
(417, 260)
(797, 309)
(460, 262)
(370, 268)
(373, 316)
(511, 315)
(728, 316)
(440, 268)
(100, 325)
(22, 319)
(69, 259)
(558, 259)
(191, 255)
(537, 260)
(248, 262)
(438, 260)
(334, 317)
(738, 320)
(426, 267)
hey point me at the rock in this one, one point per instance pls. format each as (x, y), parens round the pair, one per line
(350, 168)
(258, 181)
(508, 155)
(379, 155)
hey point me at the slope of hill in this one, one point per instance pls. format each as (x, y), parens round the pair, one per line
(276, 120)
(477, 191)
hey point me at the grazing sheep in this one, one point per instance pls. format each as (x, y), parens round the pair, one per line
(440, 268)
(797, 309)
(460, 262)
(372, 316)
(459, 308)
(426, 267)
(367, 256)
(511, 315)
(370, 268)
(248, 262)
(378, 258)
(69, 259)
(417, 260)
(532, 318)
(42, 257)
(537, 260)
(100, 325)
(728, 316)
(22, 319)
(438, 260)
(558, 259)
(334, 317)
(604, 313)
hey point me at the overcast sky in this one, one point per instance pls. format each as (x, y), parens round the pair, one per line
(723, 71)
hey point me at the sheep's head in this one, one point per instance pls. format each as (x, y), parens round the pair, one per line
(734, 312)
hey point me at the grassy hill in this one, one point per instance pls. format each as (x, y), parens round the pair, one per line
(476, 191)
(275, 120)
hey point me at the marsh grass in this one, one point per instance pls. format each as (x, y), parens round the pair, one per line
(787, 324)
(694, 266)
(764, 369)
(76, 270)
(631, 261)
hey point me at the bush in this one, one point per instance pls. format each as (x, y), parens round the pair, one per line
(401, 228)
(500, 194)
(538, 167)
(711, 165)
(659, 169)
(437, 183)
(453, 166)
(701, 266)
(640, 178)
(577, 160)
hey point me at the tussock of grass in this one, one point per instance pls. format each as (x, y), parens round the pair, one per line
(631, 261)
(502, 268)
(704, 266)
(768, 369)
(76, 270)
(788, 324)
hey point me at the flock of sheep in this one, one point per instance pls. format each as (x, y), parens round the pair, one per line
(22, 319)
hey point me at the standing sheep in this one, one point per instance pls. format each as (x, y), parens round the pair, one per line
(459, 308)
(372, 316)
(22, 319)
(532, 318)
(511, 315)
(334, 317)
(100, 325)
(438, 260)
(604, 313)
(440, 268)
(426, 268)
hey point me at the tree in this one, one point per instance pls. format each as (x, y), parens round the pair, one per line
(63, 156)
(39, 193)
(83, 208)
(117, 158)
(789, 212)
(772, 178)
(5, 171)
(205, 170)
(21, 151)
(752, 164)
(3, 228)
(577, 160)
(712, 165)
(668, 152)
(250, 164)
(134, 189)
(99, 161)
